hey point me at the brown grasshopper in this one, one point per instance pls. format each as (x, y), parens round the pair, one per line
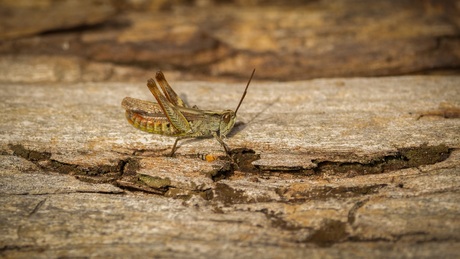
(171, 116)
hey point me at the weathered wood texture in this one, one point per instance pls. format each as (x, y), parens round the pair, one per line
(323, 168)
(299, 40)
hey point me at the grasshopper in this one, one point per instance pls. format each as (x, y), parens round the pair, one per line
(171, 116)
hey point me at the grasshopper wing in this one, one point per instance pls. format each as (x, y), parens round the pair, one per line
(141, 106)
(172, 112)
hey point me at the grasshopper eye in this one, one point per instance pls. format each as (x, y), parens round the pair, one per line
(226, 118)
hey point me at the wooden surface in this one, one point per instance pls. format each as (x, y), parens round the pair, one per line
(73, 41)
(341, 168)
(321, 168)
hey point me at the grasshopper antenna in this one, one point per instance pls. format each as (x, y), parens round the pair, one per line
(245, 91)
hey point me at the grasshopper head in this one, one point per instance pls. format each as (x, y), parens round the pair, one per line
(227, 122)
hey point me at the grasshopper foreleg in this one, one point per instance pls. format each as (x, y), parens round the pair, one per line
(222, 143)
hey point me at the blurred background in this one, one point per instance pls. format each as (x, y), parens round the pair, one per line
(128, 40)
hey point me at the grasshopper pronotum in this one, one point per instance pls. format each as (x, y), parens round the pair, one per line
(171, 116)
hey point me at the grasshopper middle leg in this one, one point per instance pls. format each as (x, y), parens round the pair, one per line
(216, 136)
(174, 148)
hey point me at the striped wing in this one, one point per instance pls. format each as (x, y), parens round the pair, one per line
(141, 106)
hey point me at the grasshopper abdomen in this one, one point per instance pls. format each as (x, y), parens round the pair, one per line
(150, 125)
